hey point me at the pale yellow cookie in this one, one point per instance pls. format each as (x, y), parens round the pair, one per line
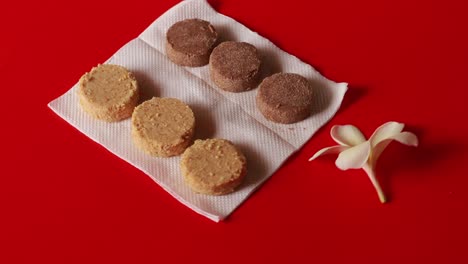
(163, 127)
(108, 92)
(213, 166)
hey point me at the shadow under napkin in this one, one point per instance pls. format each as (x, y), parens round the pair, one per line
(270, 63)
(400, 158)
(205, 125)
(322, 96)
(256, 166)
(148, 88)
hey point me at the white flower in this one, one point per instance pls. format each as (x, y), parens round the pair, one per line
(356, 152)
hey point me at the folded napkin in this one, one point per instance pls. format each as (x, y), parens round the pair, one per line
(218, 114)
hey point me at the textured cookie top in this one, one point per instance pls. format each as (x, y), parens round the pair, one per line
(235, 60)
(192, 36)
(213, 162)
(286, 90)
(108, 85)
(167, 120)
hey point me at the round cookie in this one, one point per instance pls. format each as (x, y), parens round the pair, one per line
(108, 92)
(235, 66)
(163, 127)
(285, 98)
(189, 42)
(213, 166)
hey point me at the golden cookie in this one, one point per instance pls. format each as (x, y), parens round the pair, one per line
(163, 127)
(213, 166)
(108, 92)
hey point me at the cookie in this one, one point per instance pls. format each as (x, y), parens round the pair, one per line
(190, 42)
(235, 66)
(163, 127)
(285, 98)
(213, 166)
(108, 92)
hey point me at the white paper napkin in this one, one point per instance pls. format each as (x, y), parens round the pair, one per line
(218, 114)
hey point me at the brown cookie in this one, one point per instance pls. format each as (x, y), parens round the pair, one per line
(163, 127)
(108, 92)
(213, 166)
(235, 66)
(190, 42)
(285, 98)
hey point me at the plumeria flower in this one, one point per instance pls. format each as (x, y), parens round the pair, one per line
(355, 152)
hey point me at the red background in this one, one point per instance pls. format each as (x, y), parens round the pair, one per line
(65, 199)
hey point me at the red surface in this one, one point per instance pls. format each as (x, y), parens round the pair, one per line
(64, 199)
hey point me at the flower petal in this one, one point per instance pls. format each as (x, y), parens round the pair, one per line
(385, 131)
(329, 150)
(406, 138)
(347, 135)
(355, 157)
